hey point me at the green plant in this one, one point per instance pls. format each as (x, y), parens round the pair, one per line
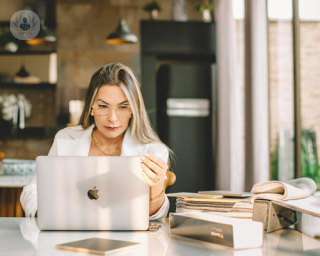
(154, 5)
(274, 164)
(7, 37)
(309, 160)
(204, 6)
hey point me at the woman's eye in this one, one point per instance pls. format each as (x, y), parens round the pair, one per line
(124, 106)
(103, 106)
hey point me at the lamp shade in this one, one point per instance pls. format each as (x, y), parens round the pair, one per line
(122, 35)
(44, 36)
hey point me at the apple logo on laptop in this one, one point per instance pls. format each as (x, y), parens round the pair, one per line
(93, 194)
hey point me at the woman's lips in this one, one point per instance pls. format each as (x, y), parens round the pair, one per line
(111, 128)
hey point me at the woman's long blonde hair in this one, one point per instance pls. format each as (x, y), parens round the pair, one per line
(123, 76)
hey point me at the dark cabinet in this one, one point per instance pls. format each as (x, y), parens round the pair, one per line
(178, 86)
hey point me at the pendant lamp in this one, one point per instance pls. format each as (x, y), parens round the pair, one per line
(44, 36)
(122, 34)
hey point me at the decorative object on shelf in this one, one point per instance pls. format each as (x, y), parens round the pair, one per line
(23, 76)
(122, 34)
(8, 42)
(75, 111)
(205, 9)
(14, 108)
(6, 78)
(11, 47)
(179, 11)
(1, 157)
(18, 167)
(153, 8)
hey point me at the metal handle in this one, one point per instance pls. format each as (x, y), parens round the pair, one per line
(188, 103)
(188, 112)
(188, 107)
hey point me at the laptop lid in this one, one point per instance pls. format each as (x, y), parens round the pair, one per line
(91, 193)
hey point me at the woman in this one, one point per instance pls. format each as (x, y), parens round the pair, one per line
(113, 122)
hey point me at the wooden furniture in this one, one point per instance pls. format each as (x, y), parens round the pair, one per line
(171, 179)
(10, 191)
(10, 205)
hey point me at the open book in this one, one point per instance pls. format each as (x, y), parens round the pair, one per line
(289, 190)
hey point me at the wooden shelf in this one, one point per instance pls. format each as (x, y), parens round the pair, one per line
(9, 133)
(26, 52)
(42, 98)
(44, 85)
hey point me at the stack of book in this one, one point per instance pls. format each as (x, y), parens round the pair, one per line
(234, 207)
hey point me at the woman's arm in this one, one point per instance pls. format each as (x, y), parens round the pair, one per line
(163, 211)
(28, 196)
(154, 173)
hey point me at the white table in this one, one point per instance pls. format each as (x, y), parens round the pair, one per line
(20, 236)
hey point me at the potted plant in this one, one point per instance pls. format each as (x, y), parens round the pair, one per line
(8, 42)
(153, 8)
(205, 9)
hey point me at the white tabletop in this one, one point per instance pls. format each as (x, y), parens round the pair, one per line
(21, 236)
(14, 181)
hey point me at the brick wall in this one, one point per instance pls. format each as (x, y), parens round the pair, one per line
(82, 27)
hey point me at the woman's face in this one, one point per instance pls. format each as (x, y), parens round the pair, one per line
(111, 96)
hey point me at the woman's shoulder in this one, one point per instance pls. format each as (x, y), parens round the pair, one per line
(154, 146)
(74, 132)
(156, 149)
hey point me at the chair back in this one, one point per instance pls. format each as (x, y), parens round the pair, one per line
(171, 179)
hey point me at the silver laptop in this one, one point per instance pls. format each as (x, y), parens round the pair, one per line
(91, 193)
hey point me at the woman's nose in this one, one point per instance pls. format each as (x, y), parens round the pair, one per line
(113, 115)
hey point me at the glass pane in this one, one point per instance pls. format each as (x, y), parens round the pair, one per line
(281, 89)
(309, 14)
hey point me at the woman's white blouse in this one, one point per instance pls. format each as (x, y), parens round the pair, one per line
(74, 141)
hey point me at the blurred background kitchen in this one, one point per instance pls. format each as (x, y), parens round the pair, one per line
(232, 86)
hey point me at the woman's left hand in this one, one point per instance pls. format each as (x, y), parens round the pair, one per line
(152, 167)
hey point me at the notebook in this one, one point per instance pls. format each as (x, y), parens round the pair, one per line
(91, 193)
(98, 245)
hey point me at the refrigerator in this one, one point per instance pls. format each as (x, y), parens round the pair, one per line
(185, 118)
